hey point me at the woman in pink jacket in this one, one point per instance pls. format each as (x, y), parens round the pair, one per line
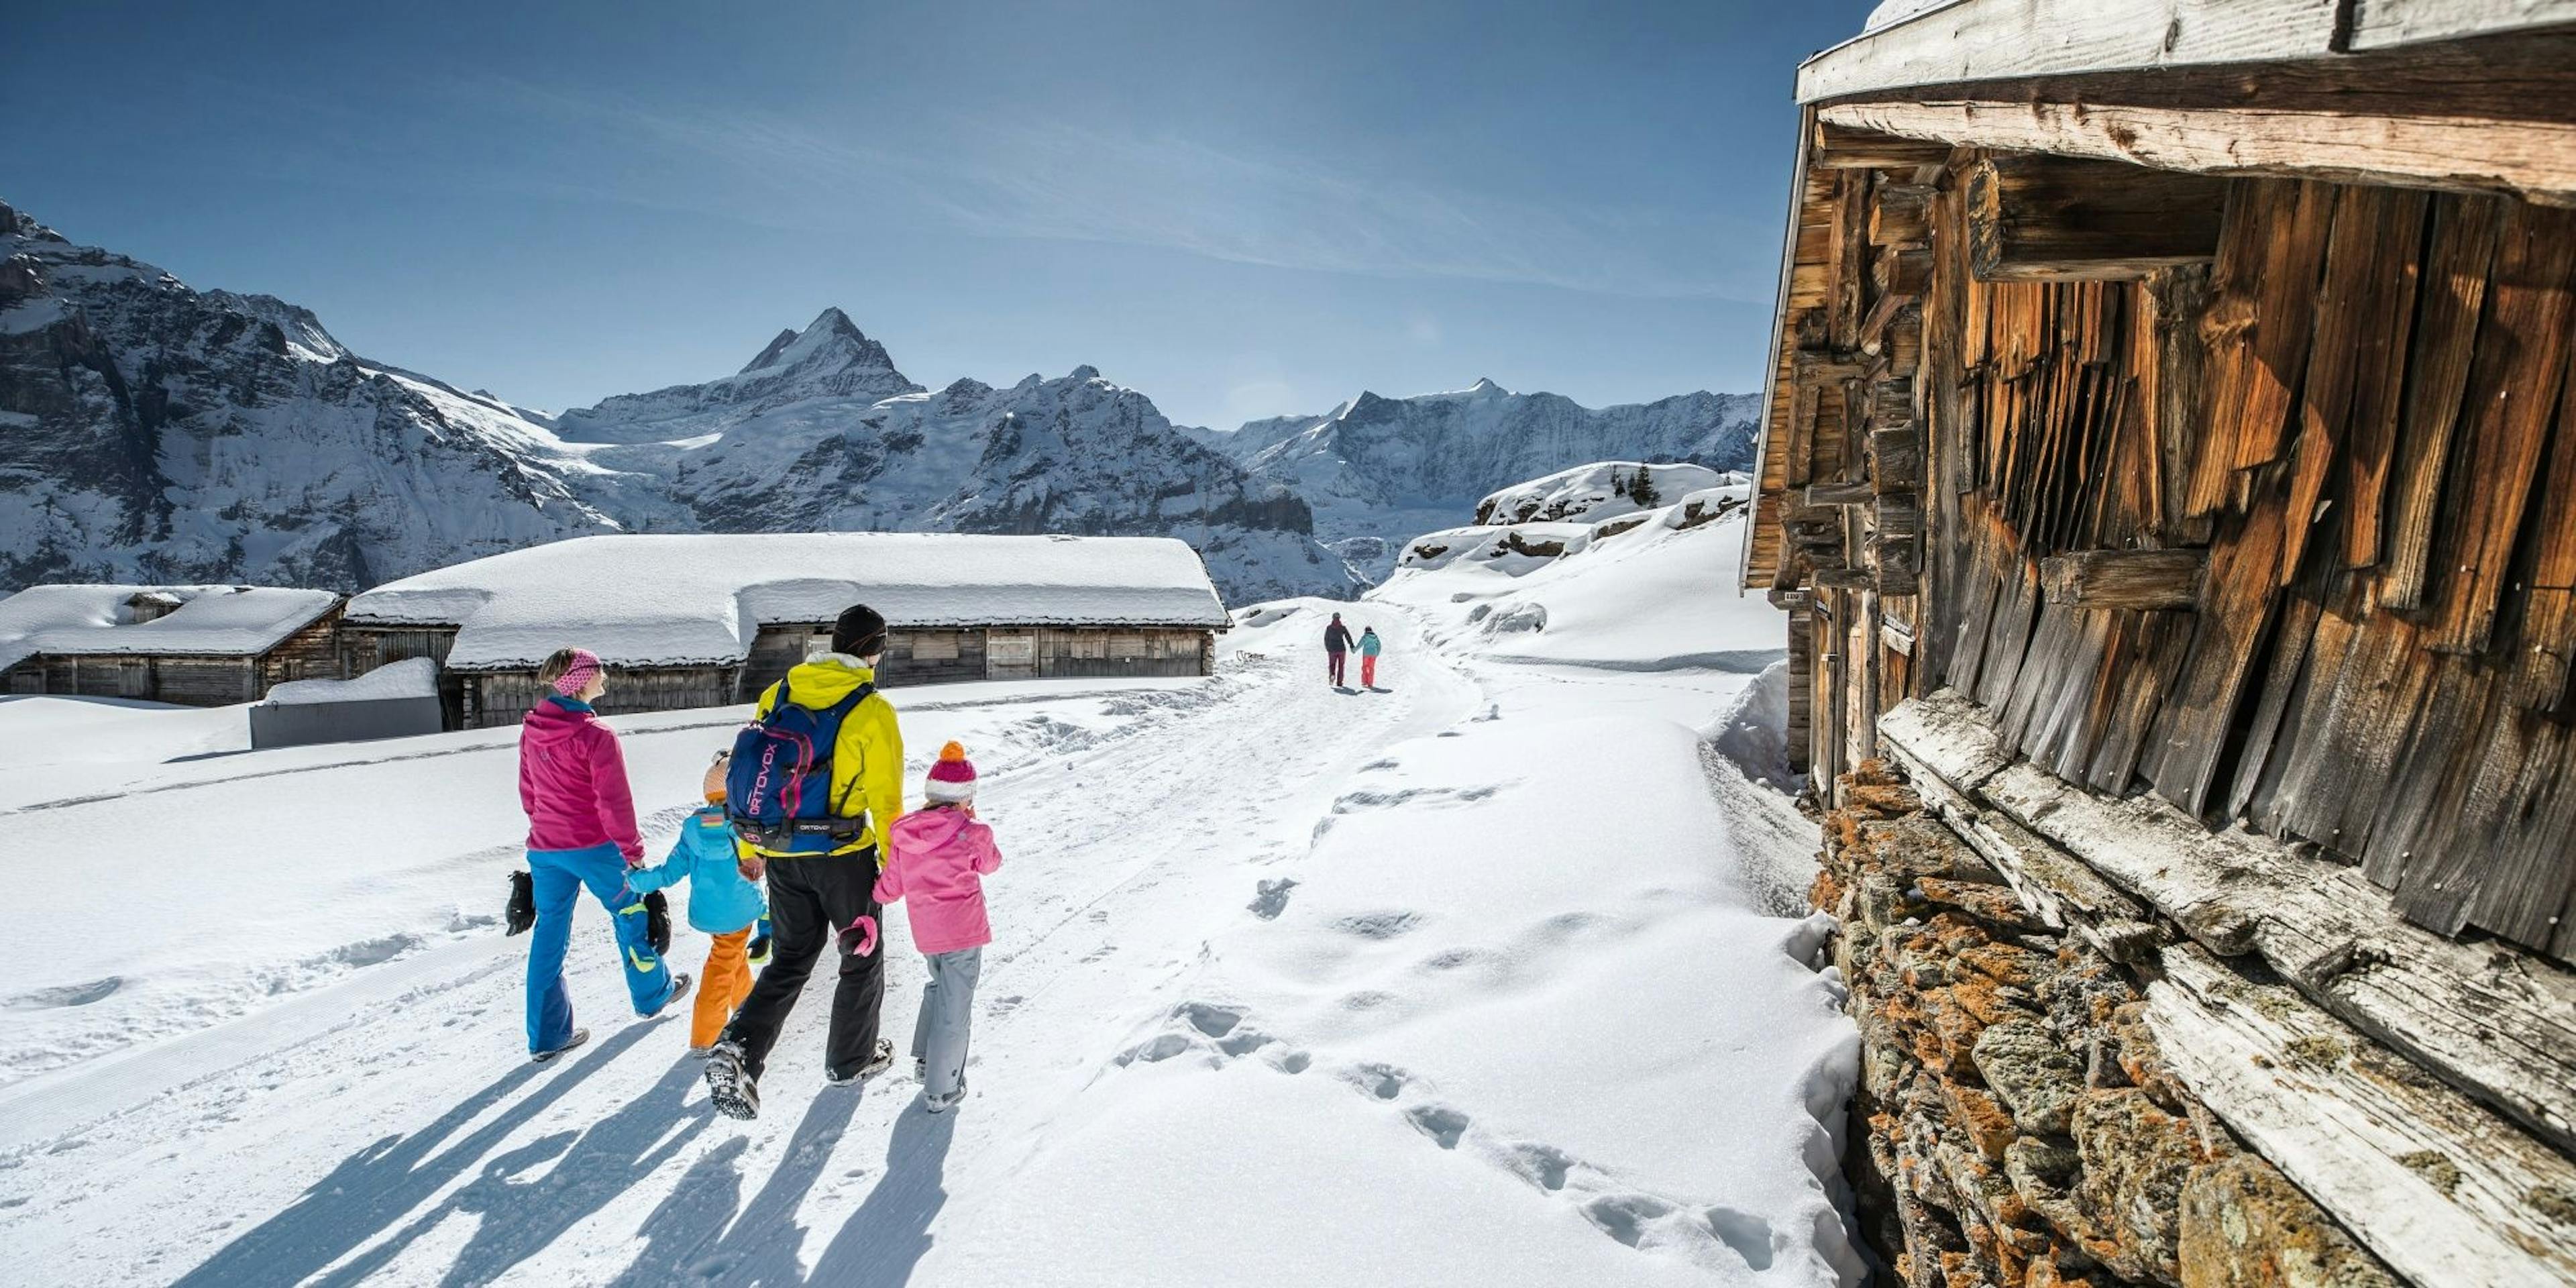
(581, 832)
(938, 856)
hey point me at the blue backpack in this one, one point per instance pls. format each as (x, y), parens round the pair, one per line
(778, 788)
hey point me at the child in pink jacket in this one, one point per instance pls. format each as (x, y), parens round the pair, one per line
(938, 856)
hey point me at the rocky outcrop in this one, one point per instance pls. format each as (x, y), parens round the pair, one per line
(2023, 1128)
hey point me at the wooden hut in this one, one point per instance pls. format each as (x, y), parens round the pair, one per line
(2169, 471)
(201, 646)
(706, 620)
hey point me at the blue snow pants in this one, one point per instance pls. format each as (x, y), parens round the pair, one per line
(558, 877)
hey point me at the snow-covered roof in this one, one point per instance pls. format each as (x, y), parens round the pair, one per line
(652, 599)
(412, 677)
(95, 620)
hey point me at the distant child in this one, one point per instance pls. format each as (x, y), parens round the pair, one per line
(1369, 647)
(938, 856)
(721, 903)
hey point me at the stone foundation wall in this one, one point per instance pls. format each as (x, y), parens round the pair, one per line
(2018, 1127)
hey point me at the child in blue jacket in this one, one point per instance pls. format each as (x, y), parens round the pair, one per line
(721, 903)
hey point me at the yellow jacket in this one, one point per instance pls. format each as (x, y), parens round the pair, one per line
(867, 759)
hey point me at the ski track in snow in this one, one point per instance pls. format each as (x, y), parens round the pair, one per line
(1177, 912)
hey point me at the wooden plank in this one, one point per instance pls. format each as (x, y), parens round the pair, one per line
(2370, 430)
(2453, 294)
(2106, 579)
(2353, 265)
(1837, 147)
(2482, 1017)
(2534, 159)
(2521, 356)
(2387, 24)
(2056, 219)
(2173, 304)
(2293, 225)
(2235, 620)
(2549, 615)
(1991, 39)
(2435, 1185)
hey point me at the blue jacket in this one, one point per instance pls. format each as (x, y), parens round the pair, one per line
(1369, 644)
(720, 901)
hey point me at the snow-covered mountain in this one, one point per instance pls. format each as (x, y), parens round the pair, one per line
(158, 433)
(1377, 470)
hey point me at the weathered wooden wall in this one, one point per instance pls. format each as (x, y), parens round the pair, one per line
(312, 653)
(495, 698)
(2358, 411)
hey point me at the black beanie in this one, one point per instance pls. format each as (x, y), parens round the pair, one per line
(859, 632)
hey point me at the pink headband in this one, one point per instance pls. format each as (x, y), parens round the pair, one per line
(577, 677)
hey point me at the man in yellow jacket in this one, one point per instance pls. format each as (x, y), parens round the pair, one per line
(823, 895)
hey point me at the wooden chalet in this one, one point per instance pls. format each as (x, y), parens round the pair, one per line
(2169, 471)
(199, 646)
(705, 620)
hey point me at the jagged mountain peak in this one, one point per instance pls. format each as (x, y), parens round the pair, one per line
(831, 342)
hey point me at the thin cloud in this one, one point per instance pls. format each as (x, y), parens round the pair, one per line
(1065, 182)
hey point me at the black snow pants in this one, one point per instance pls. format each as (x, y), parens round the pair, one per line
(811, 900)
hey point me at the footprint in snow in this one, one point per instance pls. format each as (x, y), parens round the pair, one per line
(62, 995)
(1439, 1122)
(1378, 925)
(1271, 898)
(1215, 1030)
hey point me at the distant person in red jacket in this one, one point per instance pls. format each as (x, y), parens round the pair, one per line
(1337, 648)
(581, 832)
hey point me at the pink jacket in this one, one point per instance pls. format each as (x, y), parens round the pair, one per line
(939, 858)
(572, 782)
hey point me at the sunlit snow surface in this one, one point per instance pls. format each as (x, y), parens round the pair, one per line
(1483, 978)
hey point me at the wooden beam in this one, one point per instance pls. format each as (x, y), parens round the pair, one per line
(2439, 1188)
(2139, 579)
(1842, 148)
(1982, 40)
(1827, 366)
(1834, 494)
(1901, 215)
(1901, 270)
(1992, 39)
(2536, 159)
(2059, 219)
(2386, 24)
(2490, 1020)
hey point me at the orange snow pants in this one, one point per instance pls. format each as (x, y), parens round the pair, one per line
(727, 981)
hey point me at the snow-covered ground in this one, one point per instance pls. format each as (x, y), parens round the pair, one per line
(1478, 978)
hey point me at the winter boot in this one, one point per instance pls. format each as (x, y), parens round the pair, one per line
(942, 1104)
(679, 989)
(729, 1085)
(876, 1064)
(578, 1037)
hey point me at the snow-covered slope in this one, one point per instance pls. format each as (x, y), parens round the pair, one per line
(1602, 490)
(1479, 978)
(1377, 470)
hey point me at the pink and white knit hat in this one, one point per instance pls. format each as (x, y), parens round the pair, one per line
(577, 677)
(952, 779)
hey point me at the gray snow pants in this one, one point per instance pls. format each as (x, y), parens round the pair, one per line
(947, 1013)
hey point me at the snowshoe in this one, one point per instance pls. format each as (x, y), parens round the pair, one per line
(680, 981)
(578, 1037)
(735, 1093)
(876, 1064)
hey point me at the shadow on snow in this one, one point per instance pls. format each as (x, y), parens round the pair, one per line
(702, 1233)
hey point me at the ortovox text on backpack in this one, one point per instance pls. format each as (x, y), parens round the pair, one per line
(778, 788)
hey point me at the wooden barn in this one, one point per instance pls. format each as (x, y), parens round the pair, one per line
(2169, 472)
(199, 646)
(707, 620)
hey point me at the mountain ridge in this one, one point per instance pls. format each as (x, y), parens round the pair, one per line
(163, 433)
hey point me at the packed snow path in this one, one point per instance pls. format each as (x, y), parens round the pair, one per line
(1288, 985)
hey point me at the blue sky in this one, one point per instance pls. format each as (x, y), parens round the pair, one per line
(1242, 209)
